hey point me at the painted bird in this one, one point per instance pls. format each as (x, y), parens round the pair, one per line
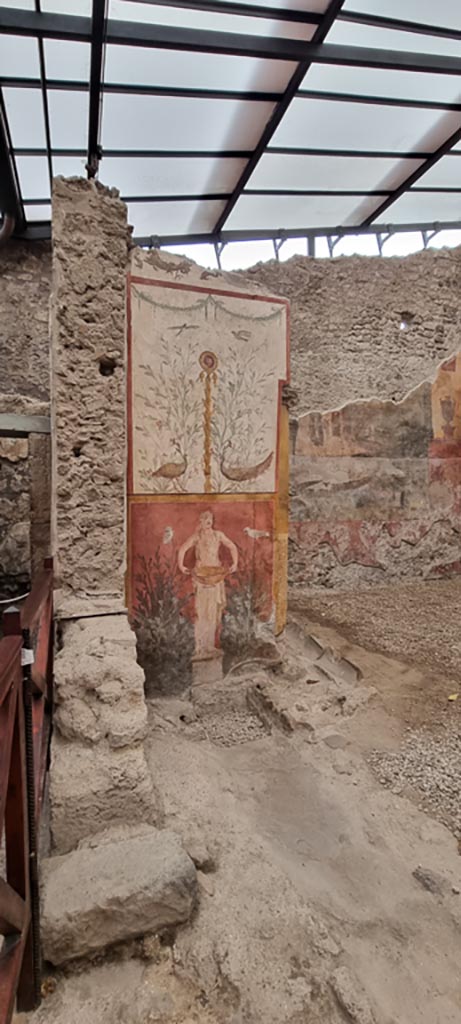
(171, 470)
(168, 534)
(241, 473)
(255, 534)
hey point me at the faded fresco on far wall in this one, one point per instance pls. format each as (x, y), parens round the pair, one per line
(207, 528)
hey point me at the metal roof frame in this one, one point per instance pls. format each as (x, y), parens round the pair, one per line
(101, 31)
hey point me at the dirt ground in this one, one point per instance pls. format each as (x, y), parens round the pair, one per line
(329, 879)
(419, 623)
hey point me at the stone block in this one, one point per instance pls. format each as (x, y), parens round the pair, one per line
(14, 449)
(140, 882)
(99, 687)
(92, 788)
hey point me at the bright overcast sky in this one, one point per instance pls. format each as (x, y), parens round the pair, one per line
(239, 255)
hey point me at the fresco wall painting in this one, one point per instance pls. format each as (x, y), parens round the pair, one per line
(208, 476)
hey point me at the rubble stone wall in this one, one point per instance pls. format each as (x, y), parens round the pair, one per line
(367, 326)
(25, 275)
(88, 342)
(374, 487)
(362, 329)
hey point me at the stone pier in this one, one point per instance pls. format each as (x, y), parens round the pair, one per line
(99, 775)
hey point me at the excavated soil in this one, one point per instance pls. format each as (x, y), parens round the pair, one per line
(329, 875)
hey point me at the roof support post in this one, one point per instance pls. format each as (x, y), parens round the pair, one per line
(10, 195)
(311, 246)
(218, 248)
(427, 236)
(277, 243)
(99, 18)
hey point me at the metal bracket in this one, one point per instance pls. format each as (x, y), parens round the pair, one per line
(218, 248)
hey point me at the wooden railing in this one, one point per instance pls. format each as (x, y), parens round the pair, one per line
(26, 655)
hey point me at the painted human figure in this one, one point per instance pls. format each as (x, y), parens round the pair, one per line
(210, 597)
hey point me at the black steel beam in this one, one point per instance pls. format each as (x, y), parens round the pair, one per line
(125, 33)
(187, 92)
(280, 110)
(380, 101)
(243, 154)
(240, 9)
(399, 24)
(43, 87)
(219, 196)
(368, 154)
(10, 193)
(124, 88)
(183, 154)
(429, 162)
(96, 76)
(42, 231)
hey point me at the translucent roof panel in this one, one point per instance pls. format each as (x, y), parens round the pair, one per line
(26, 5)
(42, 212)
(70, 166)
(33, 177)
(353, 34)
(19, 52)
(201, 143)
(173, 218)
(445, 174)
(274, 213)
(363, 81)
(331, 125)
(82, 7)
(66, 60)
(425, 207)
(25, 117)
(296, 171)
(68, 119)
(150, 177)
(136, 65)
(157, 122)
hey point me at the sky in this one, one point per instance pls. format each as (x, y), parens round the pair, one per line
(240, 255)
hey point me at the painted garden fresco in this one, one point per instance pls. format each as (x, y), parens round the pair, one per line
(205, 395)
(206, 535)
(201, 583)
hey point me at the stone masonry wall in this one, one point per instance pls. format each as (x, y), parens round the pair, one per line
(25, 273)
(25, 282)
(347, 344)
(90, 252)
(372, 502)
(99, 775)
(347, 341)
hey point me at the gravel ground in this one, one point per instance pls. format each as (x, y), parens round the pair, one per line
(429, 764)
(416, 622)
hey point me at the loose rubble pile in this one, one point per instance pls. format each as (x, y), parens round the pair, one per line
(430, 764)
